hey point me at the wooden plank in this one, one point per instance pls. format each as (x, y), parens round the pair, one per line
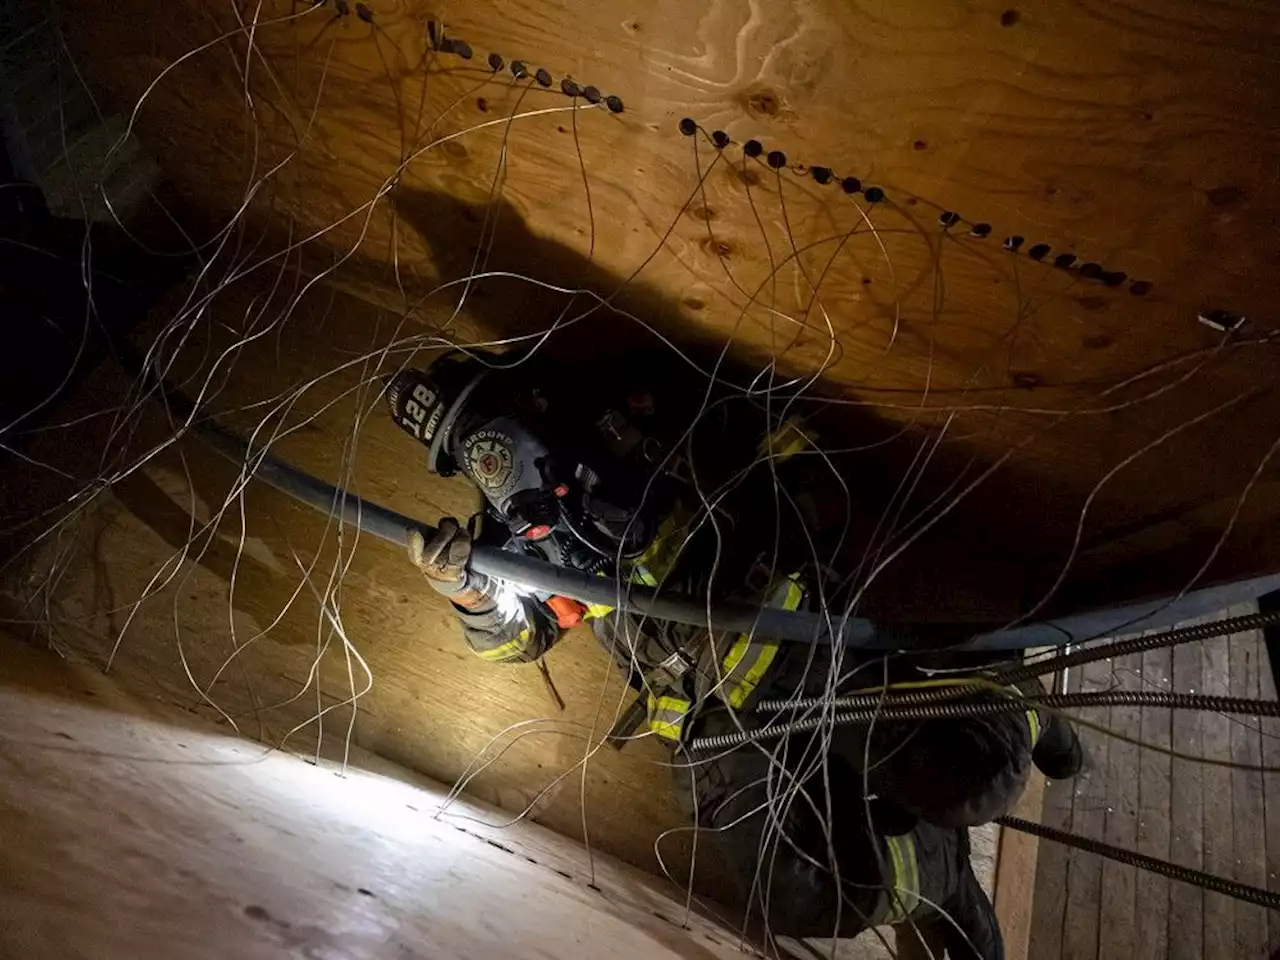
(1017, 872)
(1081, 928)
(1219, 835)
(1247, 806)
(1049, 914)
(1154, 811)
(1270, 734)
(1117, 921)
(1186, 810)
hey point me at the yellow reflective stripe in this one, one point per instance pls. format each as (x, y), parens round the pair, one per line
(787, 596)
(652, 565)
(676, 704)
(639, 574)
(644, 576)
(666, 716)
(509, 650)
(650, 555)
(747, 686)
(909, 886)
(736, 689)
(913, 883)
(597, 609)
(735, 654)
(904, 895)
(794, 594)
(1033, 718)
(895, 865)
(668, 731)
(783, 443)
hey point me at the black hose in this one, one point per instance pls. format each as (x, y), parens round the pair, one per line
(352, 510)
(528, 572)
(1230, 888)
(924, 705)
(799, 626)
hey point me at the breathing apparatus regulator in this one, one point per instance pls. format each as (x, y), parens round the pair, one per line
(567, 477)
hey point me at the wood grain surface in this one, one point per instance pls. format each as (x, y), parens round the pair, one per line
(1118, 920)
(1139, 140)
(1187, 810)
(1211, 818)
(1082, 933)
(1219, 826)
(1049, 902)
(231, 631)
(1151, 907)
(1270, 743)
(131, 833)
(1016, 864)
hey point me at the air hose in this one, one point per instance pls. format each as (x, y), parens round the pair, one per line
(797, 626)
(801, 626)
(1230, 888)
(529, 572)
(925, 705)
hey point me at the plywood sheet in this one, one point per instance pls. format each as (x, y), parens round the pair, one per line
(127, 834)
(1140, 142)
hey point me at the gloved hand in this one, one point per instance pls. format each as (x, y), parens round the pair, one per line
(443, 557)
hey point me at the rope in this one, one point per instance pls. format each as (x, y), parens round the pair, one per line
(917, 706)
(1230, 888)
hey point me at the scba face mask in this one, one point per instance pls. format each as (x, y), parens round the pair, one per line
(540, 463)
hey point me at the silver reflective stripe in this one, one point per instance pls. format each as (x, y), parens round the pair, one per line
(666, 716)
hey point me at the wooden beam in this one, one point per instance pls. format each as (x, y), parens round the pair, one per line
(1015, 881)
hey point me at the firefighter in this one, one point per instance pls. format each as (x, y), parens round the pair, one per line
(615, 480)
